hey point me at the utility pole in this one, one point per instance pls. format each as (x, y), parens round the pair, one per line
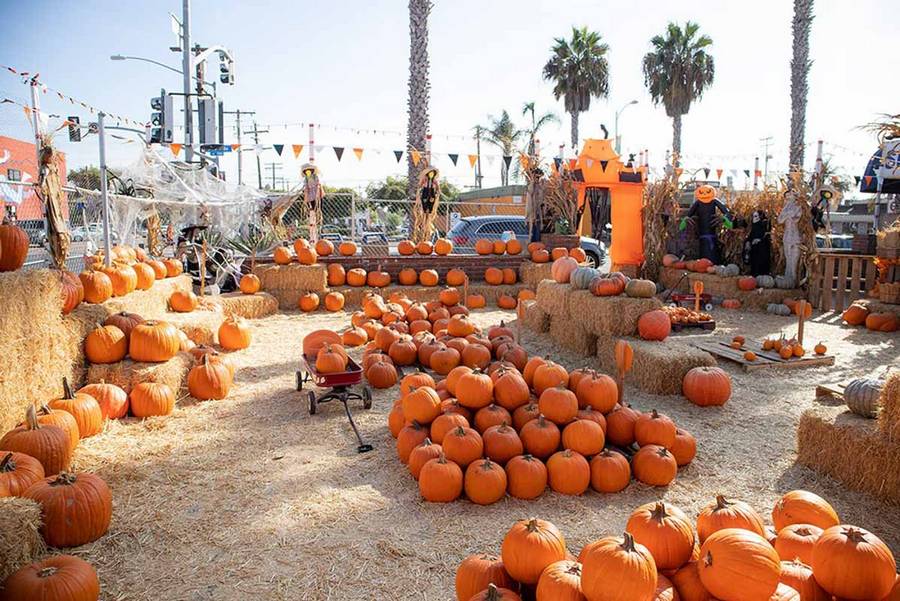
(256, 131)
(478, 154)
(767, 141)
(238, 113)
(186, 71)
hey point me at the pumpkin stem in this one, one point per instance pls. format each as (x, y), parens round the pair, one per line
(628, 542)
(854, 535)
(532, 525)
(654, 413)
(721, 503)
(64, 479)
(31, 419)
(659, 512)
(67, 390)
(47, 572)
(8, 465)
(492, 593)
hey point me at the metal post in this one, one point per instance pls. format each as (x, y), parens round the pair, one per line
(256, 151)
(186, 71)
(312, 143)
(104, 195)
(240, 150)
(478, 176)
(755, 173)
(35, 109)
(353, 218)
(616, 134)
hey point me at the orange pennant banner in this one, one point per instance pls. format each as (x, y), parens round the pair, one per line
(176, 149)
(358, 152)
(416, 156)
(297, 148)
(235, 146)
(472, 159)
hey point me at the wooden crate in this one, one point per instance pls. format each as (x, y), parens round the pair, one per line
(840, 280)
(764, 359)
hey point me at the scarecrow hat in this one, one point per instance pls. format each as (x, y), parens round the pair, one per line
(307, 167)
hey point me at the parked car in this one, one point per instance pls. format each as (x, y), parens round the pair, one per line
(496, 227)
(334, 238)
(839, 242)
(37, 233)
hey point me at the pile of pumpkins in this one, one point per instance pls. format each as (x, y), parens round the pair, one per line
(785, 347)
(725, 554)
(859, 314)
(307, 253)
(500, 422)
(566, 270)
(539, 253)
(685, 315)
(744, 283)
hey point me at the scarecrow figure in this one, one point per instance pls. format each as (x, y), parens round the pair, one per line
(312, 196)
(50, 192)
(428, 196)
(758, 245)
(790, 219)
(535, 190)
(704, 213)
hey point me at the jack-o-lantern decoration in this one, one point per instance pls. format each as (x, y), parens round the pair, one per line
(705, 193)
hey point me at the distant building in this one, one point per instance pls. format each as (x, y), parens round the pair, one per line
(18, 164)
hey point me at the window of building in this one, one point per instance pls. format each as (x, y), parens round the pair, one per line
(14, 175)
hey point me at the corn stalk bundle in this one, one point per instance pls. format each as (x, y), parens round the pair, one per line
(561, 202)
(659, 212)
(742, 204)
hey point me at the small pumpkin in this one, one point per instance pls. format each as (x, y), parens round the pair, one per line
(484, 482)
(113, 401)
(18, 471)
(852, 563)
(476, 572)
(105, 344)
(654, 325)
(737, 565)
(882, 322)
(249, 283)
(855, 314)
(210, 380)
(569, 472)
(640, 289)
(97, 286)
(803, 507)
(151, 398)
(630, 561)
(154, 341)
(51, 445)
(440, 480)
(654, 465)
(562, 269)
(706, 386)
(124, 321)
(666, 532)
(610, 472)
(724, 513)
(83, 407)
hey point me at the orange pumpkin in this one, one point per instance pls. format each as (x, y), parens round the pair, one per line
(738, 564)
(529, 547)
(282, 255)
(309, 302)
(855, 315)
(323, 247)
(428, 277)
(424, 248)
(562, 269)
(443, 246)
(308, 256)
(356, 277)
(347, 248)
(513, 247)
(540, 256)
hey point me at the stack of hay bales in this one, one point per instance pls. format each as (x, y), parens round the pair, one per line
(862, 453)
(248, 306)
(534, 318)
(287, 283)
(201, 326)
(658, 367)
(725, 287)
(531, 274)
(127, 373)
(20, 538)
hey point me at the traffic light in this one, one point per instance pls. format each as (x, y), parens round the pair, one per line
(74, 128)
(161, 119)
(206, 112)
(226, 70)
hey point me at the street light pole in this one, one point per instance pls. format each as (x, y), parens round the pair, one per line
(186, 73)
(619, 112)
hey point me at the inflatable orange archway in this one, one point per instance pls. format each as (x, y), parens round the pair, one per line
(598, 168)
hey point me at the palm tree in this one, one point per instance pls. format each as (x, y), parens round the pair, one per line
(800, 63)
(503, 134)
(419, 88)
(579, 71)
(536, 123)
(677, 72)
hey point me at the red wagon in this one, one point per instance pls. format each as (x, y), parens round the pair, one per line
(339, 387)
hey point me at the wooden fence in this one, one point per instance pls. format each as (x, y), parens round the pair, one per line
(841, 279)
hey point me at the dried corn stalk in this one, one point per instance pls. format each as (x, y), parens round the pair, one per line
(660, 210)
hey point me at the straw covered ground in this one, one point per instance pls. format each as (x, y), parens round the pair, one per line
(251, 497)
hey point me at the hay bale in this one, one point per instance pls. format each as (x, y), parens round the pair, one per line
(552, 297)
(658, 367)
(353, 296)
(760, 298)
(531, 274)
(149, 304)
(851, 449)
(200, 326)
(875, 306)
(248, 306)
(889, 418)
(535, 318)
(569, 334)
(671, 278)
(20, 538)
(609, 315)
(306, 278)
(128, 373)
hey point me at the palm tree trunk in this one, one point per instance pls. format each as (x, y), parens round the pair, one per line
(800, 63)
(419, 88)
(676, 134)
(575, 129)
(504, 173)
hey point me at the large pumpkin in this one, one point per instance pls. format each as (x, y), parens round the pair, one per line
(561, 581)
(83, 407)
(209, 380)
(852, 563)
(803, 507)
(18, 471)
(97, 286)
(154, 341)
(746, 283)
(112, 399)
(618, 568)
(640, 289)
(75, 508)
(653, 325)
(881, 322)
(105, 344)
(440, 480)
(49, 444)
(855, 315)
(739, 565)
(529, 547)
(666, 532)
(13, 246)
(235, 334)
(124, 321)
(56, 578)
(562, 268)
(151, 398)
(581, 278)
(724, 513)
(610, 472)
(706, 386)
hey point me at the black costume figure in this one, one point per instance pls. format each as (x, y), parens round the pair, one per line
(758, 245)
(703, 211)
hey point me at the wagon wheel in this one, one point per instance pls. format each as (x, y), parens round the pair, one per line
(301, 377)
(367, 397)
(708, 307)
(312, 402)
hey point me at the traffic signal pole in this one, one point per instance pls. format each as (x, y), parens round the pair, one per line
(186, 72)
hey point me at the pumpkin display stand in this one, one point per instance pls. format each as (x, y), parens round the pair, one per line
(725, 287)
(339, 385)
(20, 537)
(597, 315)
(850, 448)
(353, 296)
(764, 358)
(287, 283)
(657, 367)
(248, 306)
(127, 373)
(200, 326)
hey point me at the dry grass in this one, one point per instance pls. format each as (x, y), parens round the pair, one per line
(128, 373)
(850, 448)
(248, 306)
(251, 497)
(889, 419)
(658, 367)
(570, 334)
(20, 539)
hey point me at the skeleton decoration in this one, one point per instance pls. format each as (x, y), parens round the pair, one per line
(703, 211)
(428, 197)
(790, 219)
(50, 192)
(535, 191)
(312, 196)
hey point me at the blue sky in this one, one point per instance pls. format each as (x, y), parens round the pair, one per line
(345, 63)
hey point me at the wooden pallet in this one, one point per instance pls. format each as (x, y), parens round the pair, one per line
(701, 325)
(764, 359)
(835, 391)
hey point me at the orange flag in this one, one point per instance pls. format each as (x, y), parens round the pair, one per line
(358, 152)
(416, 156)
(472, 159)
(235, 146)
(298, 148)
(176, 149)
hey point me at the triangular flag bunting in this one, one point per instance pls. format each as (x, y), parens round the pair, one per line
(490, 159)
(279, 148)
(718, 173)
(507, 159)
(297, 148)
(338, 152)
(416, 156)
(678, 171)
(706, 172)
(734, 173)
(589, 163)
(235, 146)
(453, 158)
(557, 162)
(572, 163)
(358, 152)
(857, 178)
(758, 173)
(603, 165)
(472, 159)
(176, 149)
(868, 179)
(746, 173)
(398, 154)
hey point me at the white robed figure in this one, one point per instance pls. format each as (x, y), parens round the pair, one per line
(312, 196)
